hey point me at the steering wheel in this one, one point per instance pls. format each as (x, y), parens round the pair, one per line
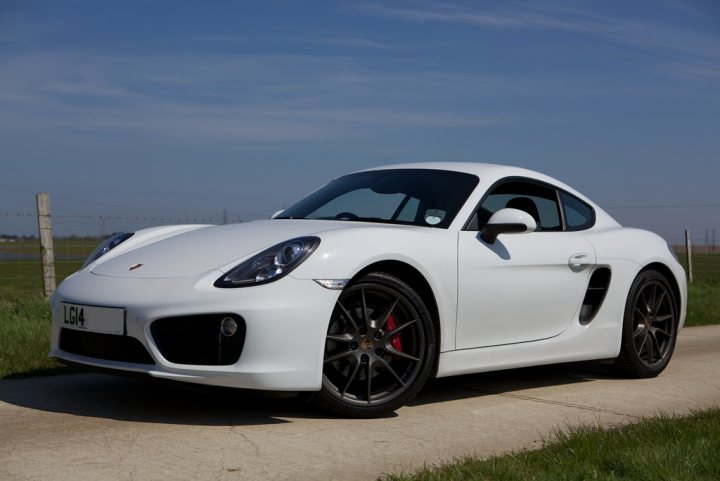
(346, 216)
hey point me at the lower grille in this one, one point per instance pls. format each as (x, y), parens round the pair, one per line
(104, 346)
(197, 339)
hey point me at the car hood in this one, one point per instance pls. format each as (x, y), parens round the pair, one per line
(209, 248)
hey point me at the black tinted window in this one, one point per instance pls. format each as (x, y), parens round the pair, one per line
(578, 215)
(424, 197)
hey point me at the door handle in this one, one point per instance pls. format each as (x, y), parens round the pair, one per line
(579, 262)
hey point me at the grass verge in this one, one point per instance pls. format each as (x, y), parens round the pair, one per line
(703, 304)
(25, 339)
(663, 448)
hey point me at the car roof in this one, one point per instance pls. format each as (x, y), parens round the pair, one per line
(477, 168)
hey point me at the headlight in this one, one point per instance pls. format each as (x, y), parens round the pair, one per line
(270, 264)
(106, 246)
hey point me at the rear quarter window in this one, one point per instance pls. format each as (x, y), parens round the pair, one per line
(578, 214)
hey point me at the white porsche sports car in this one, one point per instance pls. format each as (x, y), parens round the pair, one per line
(374, 282)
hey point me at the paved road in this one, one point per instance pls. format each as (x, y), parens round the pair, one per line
(91, 426)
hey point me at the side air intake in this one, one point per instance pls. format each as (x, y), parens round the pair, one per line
(597, 288)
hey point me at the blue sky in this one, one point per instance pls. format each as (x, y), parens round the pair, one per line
(182, 109)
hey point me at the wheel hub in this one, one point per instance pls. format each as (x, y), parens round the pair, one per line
(375, 347)
(655, 323)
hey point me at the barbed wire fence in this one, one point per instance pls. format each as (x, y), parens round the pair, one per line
(21, 262)
(21, 255)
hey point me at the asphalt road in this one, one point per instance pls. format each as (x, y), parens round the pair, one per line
(92, 426)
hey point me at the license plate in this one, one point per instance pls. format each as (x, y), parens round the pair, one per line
(106, 320)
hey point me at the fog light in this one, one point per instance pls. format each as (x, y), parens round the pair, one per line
(228, 326)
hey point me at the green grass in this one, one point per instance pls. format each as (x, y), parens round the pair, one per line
(22, 278)
(24, 315)
(706, 267)
(703, 304)
(704, 292)
(25, 339)
(658, 449)
(65, 246)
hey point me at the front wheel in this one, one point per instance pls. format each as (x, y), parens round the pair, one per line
(649, 326)
(379, 349)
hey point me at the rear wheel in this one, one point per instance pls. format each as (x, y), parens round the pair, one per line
(379, 349)
(649, 326)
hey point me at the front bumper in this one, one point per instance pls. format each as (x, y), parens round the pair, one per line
(286, 323)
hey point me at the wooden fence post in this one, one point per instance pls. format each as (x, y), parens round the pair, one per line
(688, 252)
(46, 243)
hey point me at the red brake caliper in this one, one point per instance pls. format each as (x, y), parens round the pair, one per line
(395, 341)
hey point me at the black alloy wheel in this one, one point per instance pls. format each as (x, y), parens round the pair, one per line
(379, 349)
(649, 326)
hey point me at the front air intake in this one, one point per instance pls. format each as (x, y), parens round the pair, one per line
(104, 346)
(202, 340)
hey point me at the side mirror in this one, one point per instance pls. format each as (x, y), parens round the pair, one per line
(277, 213)
(507, 221)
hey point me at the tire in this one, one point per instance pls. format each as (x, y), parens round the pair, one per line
(379, 350)
(649, 327)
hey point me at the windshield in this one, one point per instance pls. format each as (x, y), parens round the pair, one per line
(424, 197)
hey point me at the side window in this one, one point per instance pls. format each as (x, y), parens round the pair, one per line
(537, 200)
(578, 215)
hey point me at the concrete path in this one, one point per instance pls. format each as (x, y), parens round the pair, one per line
(91, 426)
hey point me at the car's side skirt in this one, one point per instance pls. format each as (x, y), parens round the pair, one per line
(581, 345)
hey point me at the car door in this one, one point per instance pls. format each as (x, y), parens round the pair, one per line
(522, 287)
